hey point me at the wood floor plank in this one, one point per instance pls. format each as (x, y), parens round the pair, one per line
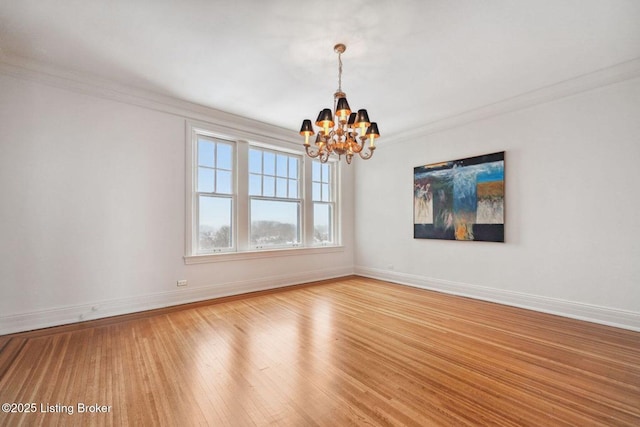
(345, 352)
(9, 350)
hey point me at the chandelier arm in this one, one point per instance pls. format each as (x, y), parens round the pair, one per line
(328, 144)
(366, 154)
(357, 146)
(311, 152)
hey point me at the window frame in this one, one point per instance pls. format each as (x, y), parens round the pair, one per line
(241, 248)
(193, 208)
(331, 202)
(275, 198)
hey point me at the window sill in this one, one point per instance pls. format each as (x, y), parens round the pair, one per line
(259, 254)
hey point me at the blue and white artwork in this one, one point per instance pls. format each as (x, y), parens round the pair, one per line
(460, 199)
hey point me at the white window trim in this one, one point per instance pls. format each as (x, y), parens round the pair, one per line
(191, 193)
(260, 254)
(240, 220)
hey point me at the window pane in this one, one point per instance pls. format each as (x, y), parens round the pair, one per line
(281, 165)
(205, 153)
(293, 167)
(214, 225)
(276, 172)
(325, 173)
(325, 192)
(205, 180)
(269, 163)
(224, 156)
(322, 223)
(268, 186)
(316, 191)
(316, 171)
(293, 189)
(281, 187)
(274, 223)
(255, 161)
(255, 185)
(223, 182)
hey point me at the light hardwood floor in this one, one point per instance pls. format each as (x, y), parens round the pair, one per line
(347, 352)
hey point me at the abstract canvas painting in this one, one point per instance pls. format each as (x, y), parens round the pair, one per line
(460, 199)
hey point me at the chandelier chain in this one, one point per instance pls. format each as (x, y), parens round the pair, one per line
(340, 72)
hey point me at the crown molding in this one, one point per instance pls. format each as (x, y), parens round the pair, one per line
(46, 74)
(27, 69)
(604, 77)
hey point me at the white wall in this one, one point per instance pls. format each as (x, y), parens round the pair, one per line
(572, 209)
(92, 209)
(92, 214)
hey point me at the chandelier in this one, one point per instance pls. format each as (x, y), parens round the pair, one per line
(343, 133)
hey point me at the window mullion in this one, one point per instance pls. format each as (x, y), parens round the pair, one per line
(307, 197)
(242, 202)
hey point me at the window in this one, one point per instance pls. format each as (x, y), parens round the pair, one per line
(214, 189)
(275, 205)
(323, 206)
(248, 199)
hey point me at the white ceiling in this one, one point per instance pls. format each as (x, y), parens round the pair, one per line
(408, 62)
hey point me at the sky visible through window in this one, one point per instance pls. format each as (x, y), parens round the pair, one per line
(276, 176)
(268, 202)
(273, 189)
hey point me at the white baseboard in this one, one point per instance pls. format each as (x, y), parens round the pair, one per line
(100, 309)
(590, 313)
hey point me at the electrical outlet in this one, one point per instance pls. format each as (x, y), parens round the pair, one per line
(182, 283)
